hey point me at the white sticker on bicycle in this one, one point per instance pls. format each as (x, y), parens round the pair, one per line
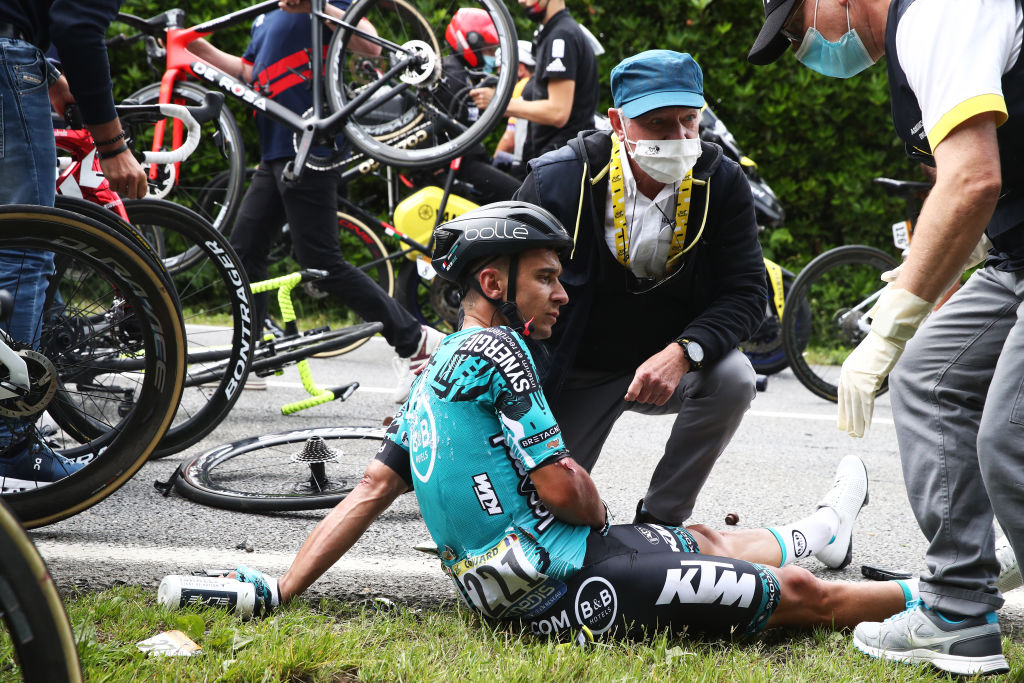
(503, 582)
(901, 234)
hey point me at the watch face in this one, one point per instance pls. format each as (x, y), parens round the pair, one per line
(695, 351)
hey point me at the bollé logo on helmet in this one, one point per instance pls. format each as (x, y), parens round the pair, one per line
(501, 230)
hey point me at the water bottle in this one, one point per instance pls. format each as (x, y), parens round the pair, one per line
(181, 591)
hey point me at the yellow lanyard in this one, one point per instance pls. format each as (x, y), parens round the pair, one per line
(618, 190)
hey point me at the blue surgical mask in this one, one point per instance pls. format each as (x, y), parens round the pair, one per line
(844, 58)
(490, 63)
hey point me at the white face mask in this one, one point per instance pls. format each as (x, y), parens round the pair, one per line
(667, 161)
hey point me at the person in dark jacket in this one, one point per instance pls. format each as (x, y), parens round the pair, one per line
(665, 278)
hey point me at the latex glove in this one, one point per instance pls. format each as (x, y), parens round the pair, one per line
(897, 315)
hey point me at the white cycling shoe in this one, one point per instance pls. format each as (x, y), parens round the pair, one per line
(847, 496)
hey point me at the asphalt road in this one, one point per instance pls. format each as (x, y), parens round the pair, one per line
(776, 468)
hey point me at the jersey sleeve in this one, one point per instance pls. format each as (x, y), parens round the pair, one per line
(954, 55)
(394, 448)
(561, 57)
(531, 433)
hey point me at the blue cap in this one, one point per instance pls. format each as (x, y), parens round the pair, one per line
(657, 78)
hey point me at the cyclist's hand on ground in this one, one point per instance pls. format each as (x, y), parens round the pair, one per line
(482, 97)
(897, 315)
(267, 592)
(125, 175)
(656, 380)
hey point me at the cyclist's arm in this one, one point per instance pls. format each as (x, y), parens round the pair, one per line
(569, 492)
(342, 527)
(228, 63)
(356, 45)
(957, 209)
(553, 111)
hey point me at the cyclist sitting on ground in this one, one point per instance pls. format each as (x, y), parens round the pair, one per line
(512, 513)
(274, 61)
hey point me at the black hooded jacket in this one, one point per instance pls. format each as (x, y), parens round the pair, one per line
(716, 297)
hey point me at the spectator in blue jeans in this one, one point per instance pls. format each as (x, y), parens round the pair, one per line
(28, 87)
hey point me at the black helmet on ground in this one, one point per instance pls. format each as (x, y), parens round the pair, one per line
(465, 245)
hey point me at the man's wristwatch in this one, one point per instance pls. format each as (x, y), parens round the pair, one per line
(693, 351)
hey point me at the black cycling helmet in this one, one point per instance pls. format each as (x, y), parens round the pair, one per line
(494, 230)
(464, 245)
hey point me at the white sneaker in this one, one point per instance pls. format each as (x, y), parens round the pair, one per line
(1009, 570)
(847, 496)
(407, 368)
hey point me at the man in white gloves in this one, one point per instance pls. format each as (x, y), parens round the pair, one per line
(956, 79)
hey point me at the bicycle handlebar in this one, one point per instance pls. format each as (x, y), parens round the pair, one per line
(191, 117)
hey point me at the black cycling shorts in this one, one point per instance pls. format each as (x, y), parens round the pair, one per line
(641, 578)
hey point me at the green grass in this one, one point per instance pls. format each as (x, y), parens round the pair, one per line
(334, 641)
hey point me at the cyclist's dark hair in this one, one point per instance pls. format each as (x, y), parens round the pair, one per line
(465, 245)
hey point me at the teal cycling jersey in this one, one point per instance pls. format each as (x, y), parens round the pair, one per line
(475, 425)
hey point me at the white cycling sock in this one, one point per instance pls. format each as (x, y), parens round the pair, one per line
(911, 592)
(807, 536)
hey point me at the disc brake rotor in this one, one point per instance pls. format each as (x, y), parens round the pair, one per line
(42, 376)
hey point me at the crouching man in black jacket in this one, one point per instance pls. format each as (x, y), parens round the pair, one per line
(665, 278)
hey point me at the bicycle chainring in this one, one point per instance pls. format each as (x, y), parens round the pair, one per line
(42, 376)
(161, 186)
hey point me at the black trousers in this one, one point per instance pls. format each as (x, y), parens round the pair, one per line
(310, 209)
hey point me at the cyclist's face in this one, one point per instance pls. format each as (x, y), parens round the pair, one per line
(664, 123)
(539, 293)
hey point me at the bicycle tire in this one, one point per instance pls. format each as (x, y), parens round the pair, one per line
(214, 285)
(361, 245)
(246, 475)
(433, 302)
(766, 349)
(221, 145)
(105, 265)
(839, 287)
(399, 22)
(287, 351)
(36, 624)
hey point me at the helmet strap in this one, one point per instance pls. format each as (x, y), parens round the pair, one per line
(508, 307)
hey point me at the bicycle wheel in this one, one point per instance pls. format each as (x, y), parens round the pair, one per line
(406, 121)
(220, 149)
(37, 627)
(305, 469)
(110, 358)
(840, 287)
(277, 353)
(765, 349)
(433, 302)
(216, 304)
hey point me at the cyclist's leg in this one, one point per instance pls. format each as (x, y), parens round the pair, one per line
(311, 209)
(257, 227)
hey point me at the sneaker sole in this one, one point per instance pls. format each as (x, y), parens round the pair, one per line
(968, 666)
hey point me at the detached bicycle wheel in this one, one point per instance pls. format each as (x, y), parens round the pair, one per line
(407, 120)
(840, 287)
(36, 625)
(305, 469)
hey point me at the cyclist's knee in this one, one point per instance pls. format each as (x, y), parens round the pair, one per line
(805, 592)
